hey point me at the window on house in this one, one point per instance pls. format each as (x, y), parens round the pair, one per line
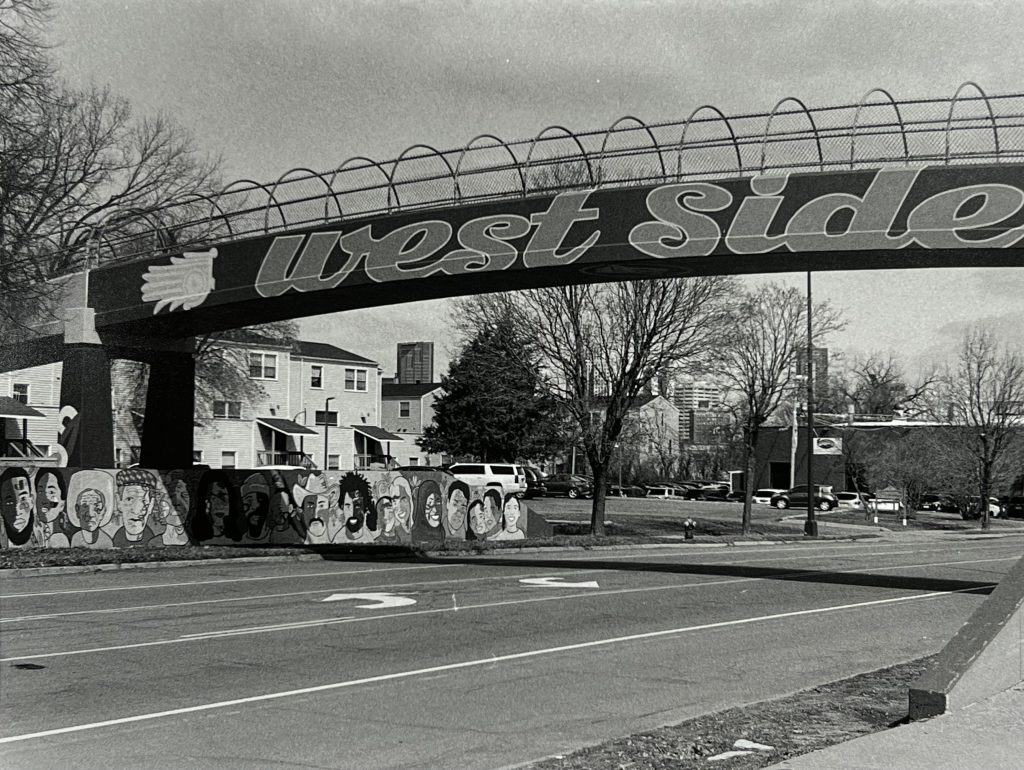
(403, 408)
(263, 366)
(414, 461)
(20, 392)
(355, 379)
(227, 459)
(316, 377)
(326, 418)
(197, 456)
(228, 410)
(332, 462)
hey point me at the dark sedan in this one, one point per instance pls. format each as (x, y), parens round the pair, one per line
(569, 484)
(797, 498)
(536, 482)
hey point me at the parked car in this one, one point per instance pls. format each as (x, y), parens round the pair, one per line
(939, 503)
(715, 492)
(973, 509)
(764, 496)
(736, 497)
(626, 490)
(570, 485)
(858, 501)
(796, 497)
(1014, 507)
(660, 492)
(536, 482)
(509, 476)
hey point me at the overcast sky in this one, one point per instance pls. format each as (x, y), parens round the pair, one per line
(272, 85)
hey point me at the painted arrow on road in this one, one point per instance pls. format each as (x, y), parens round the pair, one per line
(556, 582)
(379, 601)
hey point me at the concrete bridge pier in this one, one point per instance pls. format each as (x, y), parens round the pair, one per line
(170, 409)
(86, 430)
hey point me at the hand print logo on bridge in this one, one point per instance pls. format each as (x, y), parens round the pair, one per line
(183, 284)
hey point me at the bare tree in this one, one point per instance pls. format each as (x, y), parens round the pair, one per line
(877, 384)
(600, 345)
(984, 395)
(758, 360)
(80, 177)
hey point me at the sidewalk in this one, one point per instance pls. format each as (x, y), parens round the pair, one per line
(988, 735)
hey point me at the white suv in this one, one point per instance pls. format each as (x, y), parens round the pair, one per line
(510, 477)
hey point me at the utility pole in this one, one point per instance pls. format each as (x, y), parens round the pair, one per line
(810, 526)
(327, 425)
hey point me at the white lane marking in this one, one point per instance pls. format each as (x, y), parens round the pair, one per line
(558, 582)
(254, 597)
(421, 584)
(462, 665)
(488, 605)
(228, 580)
(377, 601)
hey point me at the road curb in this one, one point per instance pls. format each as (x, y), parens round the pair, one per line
(80, 568)
(25, 572)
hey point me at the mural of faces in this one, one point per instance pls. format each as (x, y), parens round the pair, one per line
(401, 494)
(92, 510)
(481, 520)
(255, 505)
(512, 512)
(314, 513)
(16, 504)
(50, 502)
(455, 511)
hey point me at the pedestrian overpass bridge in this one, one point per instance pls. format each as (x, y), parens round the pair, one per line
(877, 184)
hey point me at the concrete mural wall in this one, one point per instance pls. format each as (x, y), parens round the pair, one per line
(64, 507)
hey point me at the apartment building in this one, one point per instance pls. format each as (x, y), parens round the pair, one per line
(406, 410)
(315, 405)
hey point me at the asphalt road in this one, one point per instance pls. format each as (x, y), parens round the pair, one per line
(457, 663)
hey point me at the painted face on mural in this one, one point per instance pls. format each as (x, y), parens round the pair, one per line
(457, 509)
(218, 507)
(91, 509)
(353, 514)
(49, 502)
(180, 501)
(386, 512)
(314, 511)
(16, 497)
(512, 513)
(432, 510)
(481, 520)
(134, 502)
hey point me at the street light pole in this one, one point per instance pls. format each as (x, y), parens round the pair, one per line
(327, 426)
(810, 526)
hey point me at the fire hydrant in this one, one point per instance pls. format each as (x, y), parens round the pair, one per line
(688, 526)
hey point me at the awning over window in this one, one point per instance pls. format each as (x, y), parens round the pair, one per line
(375, 433)
(287, 427)
(15, 410)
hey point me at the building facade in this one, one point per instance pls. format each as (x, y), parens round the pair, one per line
(315, 405)
(406, 410)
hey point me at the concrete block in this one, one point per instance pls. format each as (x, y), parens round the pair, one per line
(985, 657)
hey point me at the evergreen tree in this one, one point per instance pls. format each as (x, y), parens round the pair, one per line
(493, 407)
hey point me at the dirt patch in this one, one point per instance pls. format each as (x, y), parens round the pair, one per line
(797, 724)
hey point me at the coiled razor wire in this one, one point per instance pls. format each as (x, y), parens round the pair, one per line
(876, 132)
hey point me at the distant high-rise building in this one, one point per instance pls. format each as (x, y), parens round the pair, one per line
(701, 413)
(415, 363)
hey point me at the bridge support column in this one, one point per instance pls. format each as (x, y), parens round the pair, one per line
(86, 430)
(167, 430)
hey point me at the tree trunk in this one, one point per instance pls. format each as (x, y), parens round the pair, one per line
(597, 511)
(986, 485)
(749, 456)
